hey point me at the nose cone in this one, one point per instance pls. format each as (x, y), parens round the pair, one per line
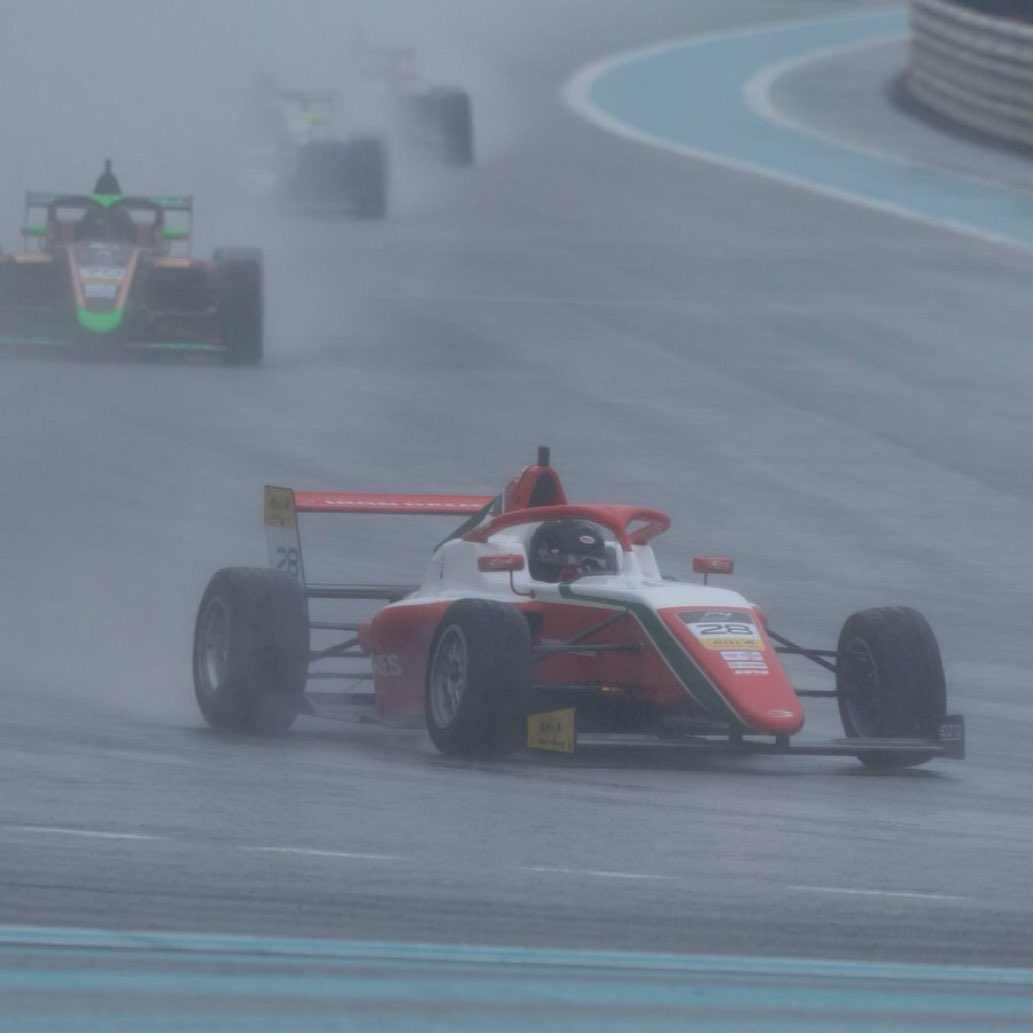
(732, 650)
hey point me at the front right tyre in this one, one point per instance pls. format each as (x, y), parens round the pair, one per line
(890, 681)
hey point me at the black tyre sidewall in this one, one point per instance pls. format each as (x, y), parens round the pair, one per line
(455, 117)
(906, 697)
(240, 304)
(367, 177)
(267, 658)
(490, 718)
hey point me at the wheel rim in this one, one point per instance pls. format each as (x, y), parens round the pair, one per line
(213, 647)
(448, 676)
(860, 688)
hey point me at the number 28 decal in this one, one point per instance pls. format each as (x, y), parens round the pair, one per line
(290, 561)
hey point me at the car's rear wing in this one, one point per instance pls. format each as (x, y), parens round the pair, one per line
(283, 539)
(167, 202)
(159, 204)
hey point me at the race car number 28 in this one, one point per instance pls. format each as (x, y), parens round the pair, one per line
(724, 634)
(288, 561)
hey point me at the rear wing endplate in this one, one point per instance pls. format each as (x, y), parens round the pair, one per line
(282, 539)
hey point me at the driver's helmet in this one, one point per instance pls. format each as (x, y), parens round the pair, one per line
(108, 225)
(563, 550)
(93, 225)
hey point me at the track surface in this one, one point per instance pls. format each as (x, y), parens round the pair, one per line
(837, 397)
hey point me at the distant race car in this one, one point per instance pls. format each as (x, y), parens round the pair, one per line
(100, 269)
(436, 119)
(323, 171)
(324, 152)
(548, 624)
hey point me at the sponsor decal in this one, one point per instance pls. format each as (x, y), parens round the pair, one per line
(101, 291)
(279, 508)
(552, 730)
(742, 654)
(723, 630)
(387, 665)
(111, 273)
(288, 561)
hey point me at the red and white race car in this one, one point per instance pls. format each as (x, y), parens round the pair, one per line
(539, 622)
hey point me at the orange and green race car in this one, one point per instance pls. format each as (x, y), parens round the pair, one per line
(111, 270)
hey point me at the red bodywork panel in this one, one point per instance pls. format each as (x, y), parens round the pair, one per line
(399, 640)
(641, 670)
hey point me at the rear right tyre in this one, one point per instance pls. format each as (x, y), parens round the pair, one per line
(367, 176)
(239, 304)
(455, 118)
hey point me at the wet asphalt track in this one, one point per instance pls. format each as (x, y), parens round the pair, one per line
(836, 397)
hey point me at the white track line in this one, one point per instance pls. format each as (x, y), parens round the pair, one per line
(306, 852)
(896, 894)
(87, 833)
(757, 94)
(591, 872)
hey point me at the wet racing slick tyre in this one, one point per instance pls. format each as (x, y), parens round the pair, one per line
(366, 162)
(251, 650)
(455, 120)
(890, 681)
(239, 305)
(478, 680)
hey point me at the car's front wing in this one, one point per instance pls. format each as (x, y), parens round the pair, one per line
(556, 731)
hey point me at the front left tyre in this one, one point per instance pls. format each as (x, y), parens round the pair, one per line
(478, 680)
(251, 650)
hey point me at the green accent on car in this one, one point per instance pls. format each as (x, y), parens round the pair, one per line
(36, 230)
(171, 233)
(32, 342)
(105, 200)
(176, 201)
(177, 346)
(684, 667)
(100, 322)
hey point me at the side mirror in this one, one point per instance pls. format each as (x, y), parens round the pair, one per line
(507, 562)
(707, 565)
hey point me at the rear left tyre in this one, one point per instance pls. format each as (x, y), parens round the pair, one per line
(890, 681)
(251, 650)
